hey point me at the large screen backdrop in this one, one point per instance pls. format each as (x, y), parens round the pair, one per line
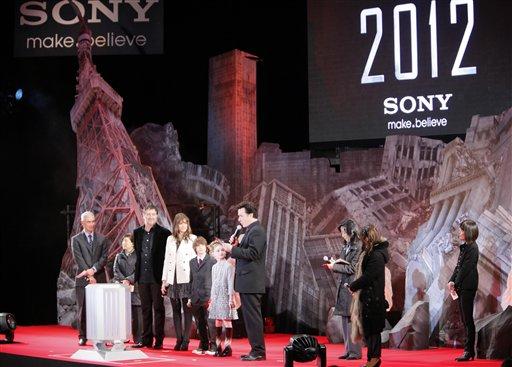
(379, 68)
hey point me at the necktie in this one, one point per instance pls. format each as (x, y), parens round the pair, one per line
(200, 261)
(89, 239)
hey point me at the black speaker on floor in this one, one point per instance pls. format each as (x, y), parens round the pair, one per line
(7, 326)
(304, 348)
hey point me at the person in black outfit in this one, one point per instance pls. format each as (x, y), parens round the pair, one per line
(369, 310)
(150, 242)
(124, 272)
(464, 281)
(250, 277)
(350, 253)
(90, 255)
(201, 285)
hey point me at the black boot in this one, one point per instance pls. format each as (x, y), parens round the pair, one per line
(218, 338)
(227, 352)
(467, 356)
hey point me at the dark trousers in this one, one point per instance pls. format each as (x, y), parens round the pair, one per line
(200, 313)
(251, 308)
(182, 331)
(81, 312)
(152, 305)
(136, 324)
(466, 302)
(374, 344)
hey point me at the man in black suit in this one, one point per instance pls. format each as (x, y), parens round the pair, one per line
(90, 255)
(201, 285)
(250, 277)
(150, 240)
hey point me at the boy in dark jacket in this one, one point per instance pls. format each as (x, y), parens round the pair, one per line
(201, 284)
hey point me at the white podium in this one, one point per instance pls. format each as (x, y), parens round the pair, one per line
(109, 319)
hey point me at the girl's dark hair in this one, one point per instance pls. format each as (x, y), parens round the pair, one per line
(470, 230)
(350, 227)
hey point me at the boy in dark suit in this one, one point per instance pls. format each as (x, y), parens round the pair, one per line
(201, 284)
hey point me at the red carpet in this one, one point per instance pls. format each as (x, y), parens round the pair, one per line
(58, 343)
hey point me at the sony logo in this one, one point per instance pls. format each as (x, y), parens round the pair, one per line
(34, 13)
(409, 104)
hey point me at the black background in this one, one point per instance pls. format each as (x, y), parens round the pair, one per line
(342, 108)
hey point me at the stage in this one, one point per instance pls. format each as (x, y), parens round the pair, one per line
(54, 345)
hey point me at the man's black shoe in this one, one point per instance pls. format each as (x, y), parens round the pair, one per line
(82, 341)
(252, 358)
(141, 345)
(159, 346)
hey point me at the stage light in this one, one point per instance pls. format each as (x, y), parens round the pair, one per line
(7, 326)
(304, 348)
(19, 94)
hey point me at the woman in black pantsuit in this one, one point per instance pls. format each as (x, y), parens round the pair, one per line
(369, 307)
(464, 281)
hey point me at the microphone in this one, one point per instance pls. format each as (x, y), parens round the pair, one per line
(237, 232)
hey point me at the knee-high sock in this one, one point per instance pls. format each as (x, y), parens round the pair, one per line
(229, 336)
(218, 335)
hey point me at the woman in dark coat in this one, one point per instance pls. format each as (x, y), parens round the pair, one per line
(347, 270)
(464, 281)
(369, 310)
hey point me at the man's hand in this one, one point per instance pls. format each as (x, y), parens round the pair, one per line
(227, 247)
(126, 282)
(451, 286)
(327, 266)
(189, 303)
(91, 280)
(90, 272)
(82, 274)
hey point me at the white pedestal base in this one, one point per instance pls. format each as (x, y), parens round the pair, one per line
(100, 356)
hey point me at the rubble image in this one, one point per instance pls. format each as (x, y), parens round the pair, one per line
(416, 191)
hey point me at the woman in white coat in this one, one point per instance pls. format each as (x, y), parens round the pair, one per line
(176, 277)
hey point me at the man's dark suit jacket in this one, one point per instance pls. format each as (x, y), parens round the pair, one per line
(157, 252)
(201, 280)
(87, 256)
(250, 260)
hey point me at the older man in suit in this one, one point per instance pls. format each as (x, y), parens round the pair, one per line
(250, 277)
(90, 255)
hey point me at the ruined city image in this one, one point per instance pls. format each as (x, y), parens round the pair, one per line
(416, 190)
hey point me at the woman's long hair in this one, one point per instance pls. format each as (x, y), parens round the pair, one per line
(370, 236)
(178, 218)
